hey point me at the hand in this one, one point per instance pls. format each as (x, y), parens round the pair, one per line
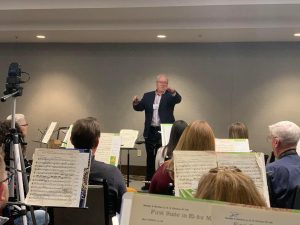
(135, 99)
(171, 90)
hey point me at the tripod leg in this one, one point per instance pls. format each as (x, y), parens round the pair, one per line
(26, 186)
(17, 153)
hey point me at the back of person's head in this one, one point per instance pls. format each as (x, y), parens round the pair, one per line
(21, 121)
(198, 135)
(176, 132)
(238, 130)
(85, 133)
(287, 132)
(5, 127)
(229, 184)
(3, 184)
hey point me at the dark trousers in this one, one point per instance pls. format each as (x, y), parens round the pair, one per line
(152, 143)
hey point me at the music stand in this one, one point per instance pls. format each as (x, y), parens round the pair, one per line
(128, 162)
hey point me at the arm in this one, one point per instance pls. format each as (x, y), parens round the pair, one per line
(138, 105)
(121, 188)
(176, 98)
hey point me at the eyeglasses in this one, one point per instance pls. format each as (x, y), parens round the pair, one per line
(270, 138)
(224, 168)
(162, 82)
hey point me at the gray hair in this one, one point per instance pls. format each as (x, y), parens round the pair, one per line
(161, 75)
(287, 132)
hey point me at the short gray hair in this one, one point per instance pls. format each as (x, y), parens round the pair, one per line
(287, 132)
(161, 75)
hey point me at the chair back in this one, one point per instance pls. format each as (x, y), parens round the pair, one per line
(96, 212)
(296, 202)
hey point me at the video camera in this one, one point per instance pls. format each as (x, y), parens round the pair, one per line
(14, 80)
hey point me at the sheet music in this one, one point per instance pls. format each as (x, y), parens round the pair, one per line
(189, 168)
(165, 133)
(236, 214)
(191, 165)
(252, 164)
(139, 209)
(57, 177)
(67, 142)
(49, 132)
(128, 138)
(108, 150)
(232, 145)
(148, 209)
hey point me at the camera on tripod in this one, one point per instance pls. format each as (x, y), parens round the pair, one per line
(14, 80)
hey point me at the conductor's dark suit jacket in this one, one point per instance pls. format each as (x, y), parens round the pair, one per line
(165, 110)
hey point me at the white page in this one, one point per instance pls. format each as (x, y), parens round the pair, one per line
(224, 214)
(49, 132)
(57, 177)
(164, 210)
(165, 133)
(232, 145)
(189, 167)
(139, 209)
(67, 142)
(128, 138)
(108, 150)
(251, 164)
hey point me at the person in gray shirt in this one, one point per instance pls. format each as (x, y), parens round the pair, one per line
(85, 135)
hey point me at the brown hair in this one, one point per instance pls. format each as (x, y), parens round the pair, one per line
(229, 184)
(85, 133)
(238, 130)
(2, 168)
(197, 136)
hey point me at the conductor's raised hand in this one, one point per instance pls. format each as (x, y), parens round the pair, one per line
(171, 90)
(136, 99)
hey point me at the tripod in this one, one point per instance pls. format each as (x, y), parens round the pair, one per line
(16, 164)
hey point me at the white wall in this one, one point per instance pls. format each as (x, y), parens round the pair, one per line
(257, 84)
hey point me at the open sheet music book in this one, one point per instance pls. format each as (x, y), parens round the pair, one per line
(165, 129)
(59, 178)
(128, 138)
(49, 132)
(108, 150)
(150, 209)
(189, 166)
(67, 142)
(232, 145)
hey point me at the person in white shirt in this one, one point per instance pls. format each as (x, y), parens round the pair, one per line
(166, 152)
(159, 108)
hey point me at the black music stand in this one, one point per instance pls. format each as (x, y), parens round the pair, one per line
(128, 162)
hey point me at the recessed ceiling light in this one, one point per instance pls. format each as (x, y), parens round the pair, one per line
(297, 34)
(41, 36)
(161, 36)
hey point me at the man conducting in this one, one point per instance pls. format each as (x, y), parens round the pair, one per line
(159, 108)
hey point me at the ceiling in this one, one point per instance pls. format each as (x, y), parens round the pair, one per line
(132, 21)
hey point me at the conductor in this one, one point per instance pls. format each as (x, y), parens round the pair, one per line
(159, 108)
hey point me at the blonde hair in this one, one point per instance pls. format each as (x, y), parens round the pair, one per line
(2, 168)
(197, 136)
(238, 130)
(229, 184)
